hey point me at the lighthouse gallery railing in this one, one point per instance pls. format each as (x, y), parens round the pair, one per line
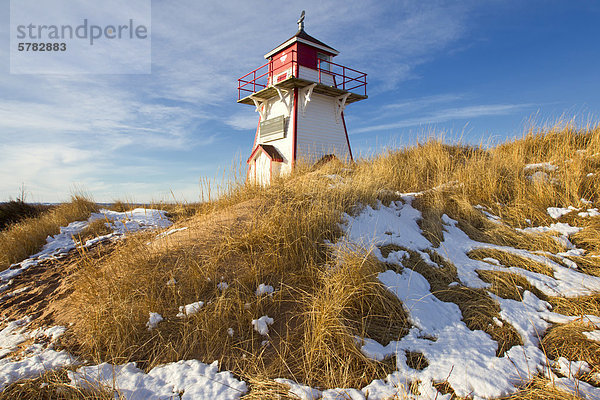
(343, 77)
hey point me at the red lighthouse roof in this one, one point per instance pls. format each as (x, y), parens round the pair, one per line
(303, 37)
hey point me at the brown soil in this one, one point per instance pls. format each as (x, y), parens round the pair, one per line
(43, 286)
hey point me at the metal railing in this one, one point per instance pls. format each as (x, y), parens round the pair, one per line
(343, 77)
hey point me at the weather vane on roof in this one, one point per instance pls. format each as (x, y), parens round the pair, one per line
(301, 21)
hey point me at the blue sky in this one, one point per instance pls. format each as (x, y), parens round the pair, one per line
(481, 71)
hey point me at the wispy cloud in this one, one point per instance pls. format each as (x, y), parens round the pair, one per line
(243, 121)
(449, 114)
(199, 49)
(420, 103)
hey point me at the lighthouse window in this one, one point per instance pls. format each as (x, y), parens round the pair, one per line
(324, 63)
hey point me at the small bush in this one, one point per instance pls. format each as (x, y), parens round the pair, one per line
(15, 211)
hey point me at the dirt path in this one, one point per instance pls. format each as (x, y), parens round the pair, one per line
(36, 291)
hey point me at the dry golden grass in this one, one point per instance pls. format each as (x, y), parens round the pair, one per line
(474, 223)
(28, 236)
(577, 306)
(324, 299)
(569, 341)
(496, 177)
(541, 389)
(509, 259)
(94, 229)
(262, 387)
(53, 385)
(416, 360)
(587, 265)
(16, 210)
(350, 302)
(508, 285)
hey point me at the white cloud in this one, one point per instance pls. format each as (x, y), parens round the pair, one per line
(243, 121)
(423, 102)
(199, 49)
(449, 114)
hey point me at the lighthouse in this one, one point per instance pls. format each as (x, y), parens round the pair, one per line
(300, 95)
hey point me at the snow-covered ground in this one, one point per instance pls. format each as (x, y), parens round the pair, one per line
(35, 357)
(63, 242)
(187, 380)
(192, 379)
(465, 358)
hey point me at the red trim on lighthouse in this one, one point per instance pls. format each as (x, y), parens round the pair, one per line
(347, 140)
(269, 150)
(253, 146)
(256, 134)
(295, 131)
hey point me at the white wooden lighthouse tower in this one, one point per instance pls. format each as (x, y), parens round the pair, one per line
(300, 95)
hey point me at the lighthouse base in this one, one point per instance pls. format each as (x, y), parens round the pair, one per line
(298, 127)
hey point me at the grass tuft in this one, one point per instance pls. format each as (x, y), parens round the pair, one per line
(27, 237)
(568, 341)
(53, 385)
(509, 259)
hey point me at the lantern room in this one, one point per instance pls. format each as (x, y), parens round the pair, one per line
(304, 50)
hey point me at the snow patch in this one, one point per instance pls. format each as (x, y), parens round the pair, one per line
(190, 309)
(560, 227)
(571, 369)
(37, 362)
(426, 312)
(154, 320)
(170, 232)
(593, 335)
(557, 212)
(546, 166)
(303, 392)
(373, 226)
(261, 325)
(465, 358)
(63, 242)
(52, 333)
(187, 380)
(591, 212)
(13, 335)
(264, 289)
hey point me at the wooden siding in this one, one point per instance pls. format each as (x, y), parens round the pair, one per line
(275, 108)
(313, 75)
(319, 133)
